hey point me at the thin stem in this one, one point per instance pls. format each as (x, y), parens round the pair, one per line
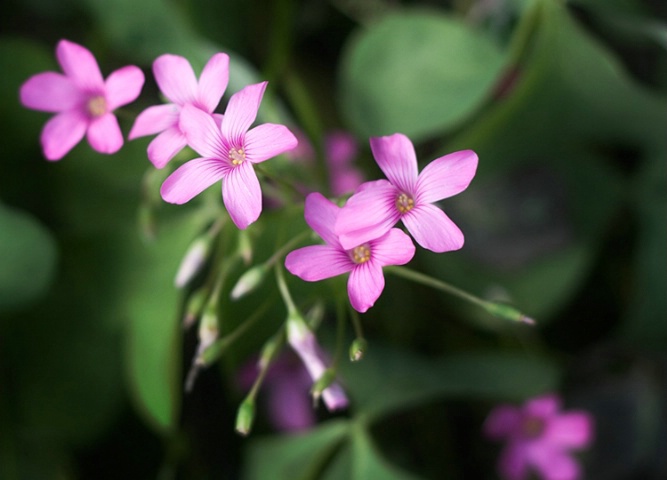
(280, 181)
(288, 246)
(284, 291)
(437, 284)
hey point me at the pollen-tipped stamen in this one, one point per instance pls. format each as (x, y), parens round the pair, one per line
(361, 253)
(236, 156)
(97, 106)
(404, 203)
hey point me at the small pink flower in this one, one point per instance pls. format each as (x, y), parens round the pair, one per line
(363, 261)
(82, 100)
(341, 148)
(304, 343)
(286, 388)
(228, 153)
(178, 83)
(408, 196)
(540, 437)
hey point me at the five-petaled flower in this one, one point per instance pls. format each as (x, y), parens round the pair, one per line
(364, 261)
(539, 436)
(178, 83)
(82, 101)
(228, 153)
(408, 196)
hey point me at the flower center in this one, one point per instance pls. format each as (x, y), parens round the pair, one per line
(361, 254)
(236, 156)
(532, 427)
(404, 203)
(97, 106)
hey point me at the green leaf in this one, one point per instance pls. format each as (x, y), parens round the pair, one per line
(300, 456)
(28, 257)
(388, 380)
(367, 462)
(418, 73)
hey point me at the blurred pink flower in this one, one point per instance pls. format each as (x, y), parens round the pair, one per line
(363, 261)
(540, 437)
(228, 153)
(178, 83)
(304, 343)
(82, 100)
(287, 392)
(407, 196)
(341, 149)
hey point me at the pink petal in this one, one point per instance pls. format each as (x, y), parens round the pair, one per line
(544, 407)
(320, 214)
(80, 66)
(123, 86)
(393, 248)
(268, 140)
(334, 397)
(396, 156)
(289, 405)
(176, 79)
(340, 148)
(432, 229)
(513, 462)
(104, 134)
(241, 112)
(154, 120)
(368, 214)
(503, 421)
(50, 92)
(554, 464)
(446, 176)
(202, 134)
(61, 133)
(192, 178)
(165, 146)
(317, 262)
(365, 285)
(242, 195)
(571, 429)
(213, 81)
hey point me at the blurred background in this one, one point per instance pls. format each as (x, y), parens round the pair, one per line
(564, 102)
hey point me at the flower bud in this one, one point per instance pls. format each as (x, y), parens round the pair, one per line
(193, 260)
(507, 312)
(249, 281)
(194, 307)
(357, 349)
(208, 328)
(245, 416)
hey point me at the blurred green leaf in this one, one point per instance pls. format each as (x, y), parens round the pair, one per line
(388, 379)
(645, 321)
(418, 73)
(367, 462)
(28, 257)
(300, 456)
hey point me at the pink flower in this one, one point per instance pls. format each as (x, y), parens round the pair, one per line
(363, 261)
(304, 343)
(407, 196)
(178, 83)
(341, 149)
(539, 437)
(228, 153)
(82, 100)
(287, 386)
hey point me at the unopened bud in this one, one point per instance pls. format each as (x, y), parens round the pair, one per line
(245, 416)
(507, 312)
(269, 351)
(322, 383)
(357, 349)
(249, 281)
(194, 307)
(146, 222)
(245, 247)
(208, 328)
(193, 260)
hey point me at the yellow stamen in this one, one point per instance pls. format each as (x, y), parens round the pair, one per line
(97, 106)
(361, 254)
(532, 427)
(404, 203)
(236, 156)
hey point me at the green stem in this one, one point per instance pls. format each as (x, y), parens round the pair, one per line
(496, 309)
